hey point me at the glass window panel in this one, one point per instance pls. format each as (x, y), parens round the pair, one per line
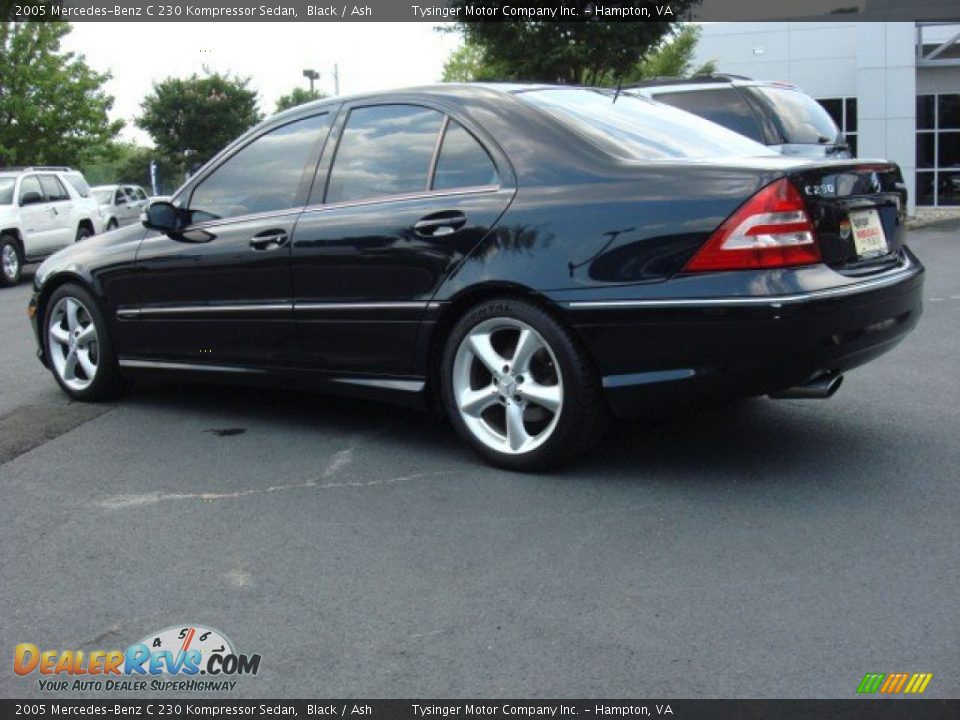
(834, 107)
(851, 115)
(384, 150)
(725, 107)
(463, 162)
(925, 189)
(949, 111)
(925, 112)
(639, 129)
(948, 150)
(925, 149)
(263, 176)
(948, 187)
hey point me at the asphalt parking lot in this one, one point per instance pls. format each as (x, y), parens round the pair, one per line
(767, 549)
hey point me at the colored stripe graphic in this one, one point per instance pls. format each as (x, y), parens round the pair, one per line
(894, 683)
(870, 683)
(918, 683)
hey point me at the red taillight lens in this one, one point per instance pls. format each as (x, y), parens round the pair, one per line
(772, 229)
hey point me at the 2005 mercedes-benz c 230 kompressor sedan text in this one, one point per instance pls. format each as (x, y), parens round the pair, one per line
(527, 258)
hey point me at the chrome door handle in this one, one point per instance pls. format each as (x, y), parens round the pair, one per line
(440, 224)
(269, 240)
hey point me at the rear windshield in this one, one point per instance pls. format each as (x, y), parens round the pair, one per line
(639, 129)
(6, 190)
(104, 197)
(797, 117)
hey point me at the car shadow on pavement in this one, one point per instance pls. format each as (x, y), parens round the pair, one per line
(741, 440)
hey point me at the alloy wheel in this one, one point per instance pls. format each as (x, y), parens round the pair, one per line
(73, 343)
(11, 262)
(507, 385)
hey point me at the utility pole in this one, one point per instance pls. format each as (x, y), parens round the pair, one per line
(336, 79)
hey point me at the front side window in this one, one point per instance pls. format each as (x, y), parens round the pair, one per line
(7, 184)
(724, 106)
(119, 197)
(635, 128)
(30, 190)
(462, 162)
(53, 188)
(384, 150)
(261, 177)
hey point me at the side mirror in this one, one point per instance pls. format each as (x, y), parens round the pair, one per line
(163, 216)
(32, 197)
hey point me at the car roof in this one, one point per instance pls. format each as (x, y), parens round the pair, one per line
(461, 90)
(698, 82)
(106, 187)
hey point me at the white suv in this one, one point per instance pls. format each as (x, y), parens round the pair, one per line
(42, 209)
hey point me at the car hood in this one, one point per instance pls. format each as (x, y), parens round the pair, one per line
(79, 257)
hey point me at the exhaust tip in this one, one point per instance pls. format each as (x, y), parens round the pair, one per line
(819, 388)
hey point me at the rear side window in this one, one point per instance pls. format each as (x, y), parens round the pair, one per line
(462, 162)
(79, 184)
(261, 177)
(724, 106)
(635, 128)
(384, 150)
(797, 117)
(53, 188)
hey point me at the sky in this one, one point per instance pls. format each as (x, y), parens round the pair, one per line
(370, 56)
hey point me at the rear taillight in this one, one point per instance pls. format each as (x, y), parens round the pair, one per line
(772, 229)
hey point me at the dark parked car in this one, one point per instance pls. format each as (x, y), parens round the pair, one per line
(779, 115)
(527, 258)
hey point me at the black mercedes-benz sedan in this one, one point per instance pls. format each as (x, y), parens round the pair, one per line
(527, 259)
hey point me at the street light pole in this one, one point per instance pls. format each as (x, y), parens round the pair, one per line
(336, 79)
(311, 75)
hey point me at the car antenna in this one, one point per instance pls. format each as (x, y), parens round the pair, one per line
(619, 84)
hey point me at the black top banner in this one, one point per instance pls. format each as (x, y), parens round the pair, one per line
(498, 709)
(480, 10)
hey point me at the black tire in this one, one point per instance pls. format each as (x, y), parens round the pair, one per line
(8, 245)
(83, 232)
(583, 416)
(112, 225)
(106, 381)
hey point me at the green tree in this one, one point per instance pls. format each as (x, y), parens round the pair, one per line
(53, 108)
(468, 63)
(298, 96)
(191, 119)
(673, 57)
(587, 51)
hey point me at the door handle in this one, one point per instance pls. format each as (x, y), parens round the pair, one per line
(440, 224)
(269, 240)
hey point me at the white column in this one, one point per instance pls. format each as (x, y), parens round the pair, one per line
(886, 96)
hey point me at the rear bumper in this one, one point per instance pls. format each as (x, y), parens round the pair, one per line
(670, 350)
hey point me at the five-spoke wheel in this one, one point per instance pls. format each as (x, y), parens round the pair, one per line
(10, 262)
(74, 346)
(508, 386)
(77, 348)
(518, 387)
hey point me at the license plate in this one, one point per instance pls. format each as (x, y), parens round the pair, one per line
(868, 237)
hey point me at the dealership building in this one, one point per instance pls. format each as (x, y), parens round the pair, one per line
(892, 87)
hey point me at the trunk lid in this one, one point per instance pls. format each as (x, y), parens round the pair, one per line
(858, 210)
